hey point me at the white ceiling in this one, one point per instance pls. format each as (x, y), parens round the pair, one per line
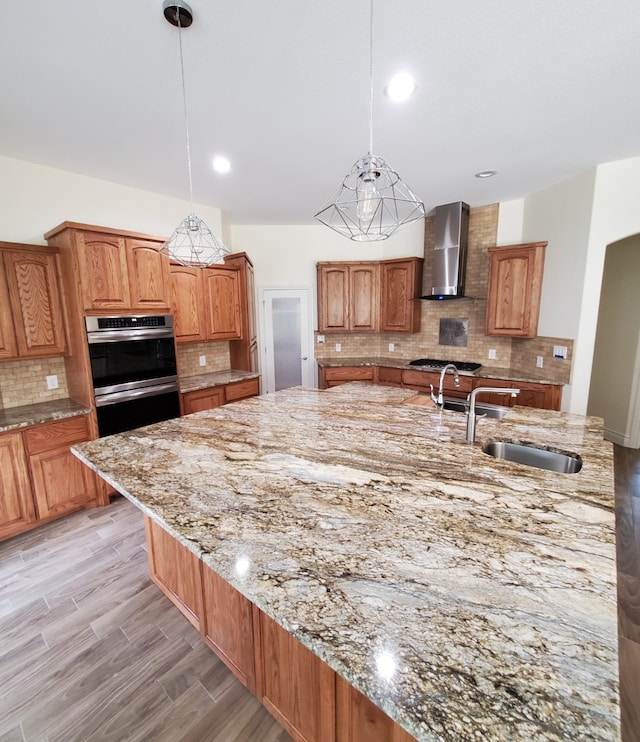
(536, 90)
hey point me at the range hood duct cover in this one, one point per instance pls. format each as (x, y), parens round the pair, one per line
(449, 256)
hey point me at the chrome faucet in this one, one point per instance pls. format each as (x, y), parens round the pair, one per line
(471, 415)
(439, 400)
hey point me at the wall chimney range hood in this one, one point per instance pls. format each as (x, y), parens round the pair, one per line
(449, 256)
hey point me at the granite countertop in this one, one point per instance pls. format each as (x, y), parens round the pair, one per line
(215, 378)
(469, 598)
(486, 372)
(40, 412)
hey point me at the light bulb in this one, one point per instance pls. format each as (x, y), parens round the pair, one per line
(368, 198)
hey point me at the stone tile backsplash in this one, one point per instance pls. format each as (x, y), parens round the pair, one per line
(25, 382)
(188, 357)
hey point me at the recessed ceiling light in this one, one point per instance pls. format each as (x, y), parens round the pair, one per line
(221, 165)
(400, 87)
(486, 173)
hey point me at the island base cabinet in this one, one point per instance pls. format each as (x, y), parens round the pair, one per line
(295, 686)
(227, 626)
(175, 570)
(359, 720)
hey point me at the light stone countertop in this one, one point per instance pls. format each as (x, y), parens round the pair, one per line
(486, 372)
(14, 418)
(215, 378)
(469, 598)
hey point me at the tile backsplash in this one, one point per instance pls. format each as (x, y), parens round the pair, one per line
(25, 382)
(188, 356)
(516, 353)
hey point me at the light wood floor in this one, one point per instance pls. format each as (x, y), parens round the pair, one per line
(91, 650)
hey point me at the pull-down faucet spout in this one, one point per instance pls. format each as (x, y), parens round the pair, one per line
(471, 418)
(439, 400)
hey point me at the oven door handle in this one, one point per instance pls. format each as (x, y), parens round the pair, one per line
(148, 391)
(121, 336)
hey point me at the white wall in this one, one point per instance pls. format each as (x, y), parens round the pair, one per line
(35, 199)
(510, 220)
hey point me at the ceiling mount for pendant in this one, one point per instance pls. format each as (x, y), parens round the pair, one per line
(178, 13)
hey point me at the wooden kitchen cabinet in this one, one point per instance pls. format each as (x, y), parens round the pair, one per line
(243, 353)
(360, 720)
(515, 286)
(227, 626)
(388, 376)
(103, 271)
(335, 375)
(544, 396)
(222, 303)
(211, 397)
(175, 570)
(17, 512)
(401, 284)
(61, 482)
(148, 271)
(294, 685)
(187, 302)
(420, 381)
(32, 323)
(348, 297)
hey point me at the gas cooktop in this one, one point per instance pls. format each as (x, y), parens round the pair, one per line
(435, 365)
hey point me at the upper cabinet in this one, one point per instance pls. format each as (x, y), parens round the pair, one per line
(118, 271)
(206, 303)
(31, 313)
(369, 296)
(243, 353)
(515, 285)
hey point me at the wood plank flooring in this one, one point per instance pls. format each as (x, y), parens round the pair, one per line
(91, 650)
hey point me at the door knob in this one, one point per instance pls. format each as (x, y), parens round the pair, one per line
(304, 358)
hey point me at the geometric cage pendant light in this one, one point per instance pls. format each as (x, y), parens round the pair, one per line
(372, 202)
(192, 242)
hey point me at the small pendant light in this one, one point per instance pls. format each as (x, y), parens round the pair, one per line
(192, 243)
(372, 201)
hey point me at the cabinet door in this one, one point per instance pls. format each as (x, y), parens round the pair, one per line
(333, 298)
(421, 381)
(515, 286)
(222, 303)
(241, 390)
(227, 626)
(8, 346)
(35, 300)
(104, 275)
(294, 685)
(202, 399)
(400, 286)
(506, 400)
(16, 504)
(241, 352)
(187, 302)
(61, 482)
(175, 570)
(364, 295)
(148, 276)
(389, 376)
(360, 720)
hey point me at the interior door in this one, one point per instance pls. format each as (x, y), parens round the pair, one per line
(286, 339)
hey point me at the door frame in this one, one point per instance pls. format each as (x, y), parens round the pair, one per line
(309, 368)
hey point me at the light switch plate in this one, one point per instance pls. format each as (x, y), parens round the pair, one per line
(202, 360)
(338, 347)
(52, 381)
(560, 351)
(539, 361)
(320, 339)
(492, 354)
(392, 347)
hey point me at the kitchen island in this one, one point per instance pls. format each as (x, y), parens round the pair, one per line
(466, 597)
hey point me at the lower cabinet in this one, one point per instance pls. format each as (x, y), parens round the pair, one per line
(420, 381)
(216, 396)
(335, 375)
(302, 692)
(41, 479)
(544, 396)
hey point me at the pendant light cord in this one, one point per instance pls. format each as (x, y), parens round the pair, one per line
(184, 104)
(371, 77)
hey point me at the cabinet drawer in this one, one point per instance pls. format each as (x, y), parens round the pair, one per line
(390, 376)
(242, 389)
(349, 373)
(424, 378)
(48, 436)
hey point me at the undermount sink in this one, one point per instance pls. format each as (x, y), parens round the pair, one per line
(488, 410)
(562, 462)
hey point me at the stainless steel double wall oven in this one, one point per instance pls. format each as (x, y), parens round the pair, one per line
(134, 371)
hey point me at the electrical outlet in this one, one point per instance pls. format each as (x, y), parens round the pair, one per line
(492, 354)
(392, 347)
(338, 347)
(560, 351)
(320, 339)
(52, 382)
(202, 360)
(539, 361)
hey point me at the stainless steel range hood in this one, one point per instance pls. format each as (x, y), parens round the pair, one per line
(449, 256)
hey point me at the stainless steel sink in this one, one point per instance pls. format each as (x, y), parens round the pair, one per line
(563, 462)
(489, 410)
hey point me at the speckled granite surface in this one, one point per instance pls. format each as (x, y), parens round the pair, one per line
(41, 412)
(469, 598)
(216, 378)
(486, 372)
